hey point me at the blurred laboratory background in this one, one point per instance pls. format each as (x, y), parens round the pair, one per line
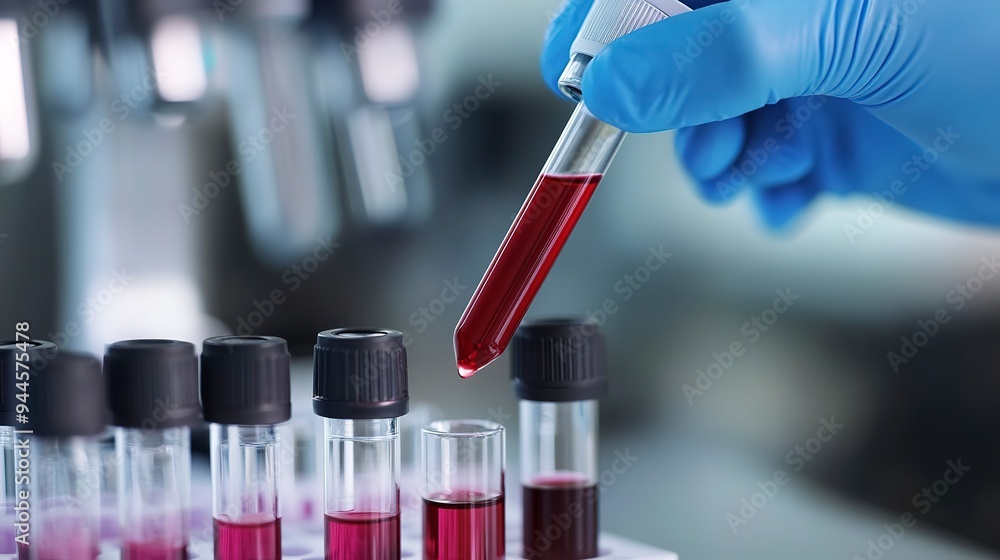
(188, 168)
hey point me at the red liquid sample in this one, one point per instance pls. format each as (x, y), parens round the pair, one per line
(362, 536)
(560, 518)
(520, 266)
(248, 539)
(464, 526)
(153, 551)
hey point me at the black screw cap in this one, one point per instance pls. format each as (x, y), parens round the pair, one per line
(39, 352)
(66, 397)
(245, 380)
(559, 360)
(360, 373)
(152, 384)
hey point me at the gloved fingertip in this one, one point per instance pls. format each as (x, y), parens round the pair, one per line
(716, 192)
(608, 98)
(779, 206)
(708, 150)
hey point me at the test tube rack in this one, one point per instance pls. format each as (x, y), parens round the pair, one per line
(305, 542)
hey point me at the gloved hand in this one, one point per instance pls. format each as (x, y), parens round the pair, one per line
(896, 98)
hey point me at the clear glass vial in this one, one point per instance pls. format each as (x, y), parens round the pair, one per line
(360, 389)
(17, 359)
(559, 371)
(245, 394)
(153, 398)
(61, 481)
(463, 490)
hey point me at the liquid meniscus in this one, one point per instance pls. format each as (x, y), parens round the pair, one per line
(568, 503)
(362, 536)
(464, 526)
(153, 551)
(248, 539)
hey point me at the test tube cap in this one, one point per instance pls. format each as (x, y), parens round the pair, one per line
(38, 352)
(559, 360)
(66, 396)
(245, 380)
(152, 384)
(360, 373)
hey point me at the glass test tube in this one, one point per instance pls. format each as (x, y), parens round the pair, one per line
(539, 231)
(577, 164)
(299, 470)
(153, 397)
(463, 490)
(62, 479)
(558, 369)
(360, 389)
(245, 393)
(17, 358)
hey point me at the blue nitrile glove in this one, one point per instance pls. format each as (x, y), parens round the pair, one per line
(896, 98)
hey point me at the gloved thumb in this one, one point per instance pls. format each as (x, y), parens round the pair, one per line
(719, 62)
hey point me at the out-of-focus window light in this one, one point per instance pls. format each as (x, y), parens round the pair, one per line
(388, 65)
(153, 306)
(376, 157)
(14, 139)
(178, 59)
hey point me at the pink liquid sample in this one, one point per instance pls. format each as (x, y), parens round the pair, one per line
(463, 526)
(7, 535)
(560, 518)
(520, 266)
(60, 538)
(153, 551)
(56, 553)
(362, 536)
(248, 539)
